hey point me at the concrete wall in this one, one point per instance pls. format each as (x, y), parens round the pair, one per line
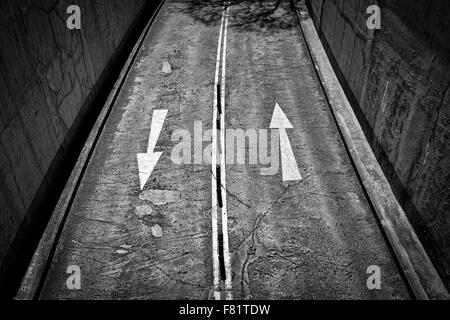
(49, 79)
(398, 80)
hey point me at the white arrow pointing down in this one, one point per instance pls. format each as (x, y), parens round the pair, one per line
(147, 161)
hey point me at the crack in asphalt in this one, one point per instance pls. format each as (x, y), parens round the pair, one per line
(251, 250)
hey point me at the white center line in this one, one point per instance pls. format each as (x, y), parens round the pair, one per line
(216, 160)
(215, 249)
(226, 252)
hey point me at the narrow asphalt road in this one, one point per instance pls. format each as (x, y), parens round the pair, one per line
(312, 238)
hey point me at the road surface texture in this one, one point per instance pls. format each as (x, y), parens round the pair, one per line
(313, 238)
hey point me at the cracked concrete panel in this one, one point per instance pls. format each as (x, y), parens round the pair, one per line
(22, 160)
(311, 239)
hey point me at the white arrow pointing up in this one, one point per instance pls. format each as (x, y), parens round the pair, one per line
(288, 164)
(147, 161)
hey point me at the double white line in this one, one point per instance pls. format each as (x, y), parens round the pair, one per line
(221, 266)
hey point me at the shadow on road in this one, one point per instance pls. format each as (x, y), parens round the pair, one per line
(248, 15)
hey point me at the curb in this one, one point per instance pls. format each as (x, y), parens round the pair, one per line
(419, 271)
(35, 276)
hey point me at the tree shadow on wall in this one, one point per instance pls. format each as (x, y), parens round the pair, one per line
(246, 15)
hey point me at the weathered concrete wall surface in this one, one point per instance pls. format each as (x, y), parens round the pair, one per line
(48, 78)
(398, 79)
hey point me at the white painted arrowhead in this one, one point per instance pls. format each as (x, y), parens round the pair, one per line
(147, 161)
(279, 119)
(146, 164)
